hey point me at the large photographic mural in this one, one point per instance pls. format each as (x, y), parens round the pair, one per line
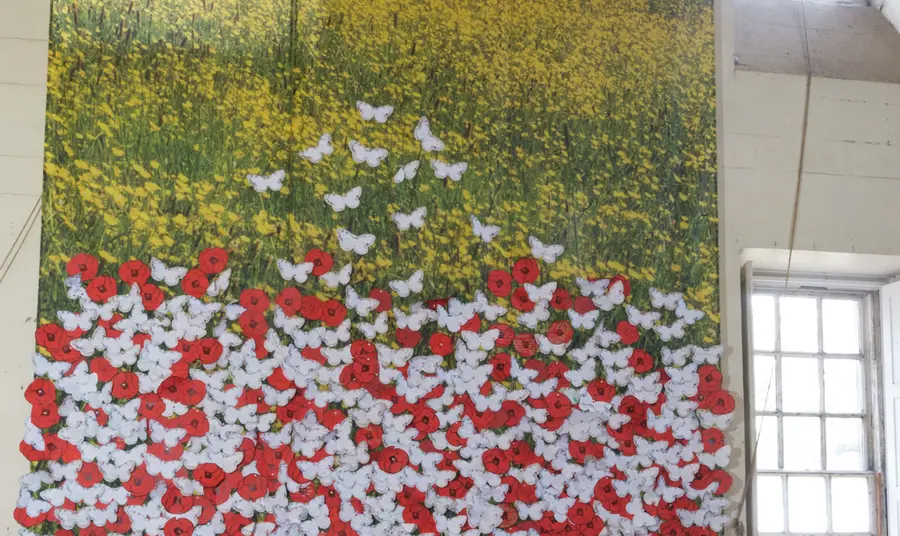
(378, 267)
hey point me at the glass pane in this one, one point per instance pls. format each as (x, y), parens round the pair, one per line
(770, 504)
(764, 383)
(844, 444)
(843, 386)
(802, 443)
(850, 504)
(806, 504)
(799, 324)
(800, 384)
(840, 326)
(763, 323)
(767, 447)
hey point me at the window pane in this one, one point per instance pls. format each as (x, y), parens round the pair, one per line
(844, 444)
(764, 383)
(763, 323)
(767, 447)
(799, 324)
(840, 326)
(843, 386)
(800, 384)
(770, 503)
(850, 504)
(802, 443)
(806, 504)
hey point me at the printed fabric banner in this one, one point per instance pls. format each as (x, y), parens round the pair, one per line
(378, 267)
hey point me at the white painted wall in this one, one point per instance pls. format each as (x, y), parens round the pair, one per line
(23, 70)
(891, 10)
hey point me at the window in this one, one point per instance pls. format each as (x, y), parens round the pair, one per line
(816, 456)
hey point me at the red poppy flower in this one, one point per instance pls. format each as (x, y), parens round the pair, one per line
(441, 344)
(125, 385)
(40, 391)
(84, 265)
(279, 381)
(713, 439)
(289, 300)
(209, 474)
(134, 271)
(710, 379)
(321, 261)
(672, 527)
(601, 391)
(506, 335)
(151, 296)
(437, 302)
(525, 344)
(560, 332)
(408, 338)
(253, 487)
(627, 333)
(500, 283)
(521, 301)
(22, 518)
(152, 406)
(178, 526)
(526, 270)
(425, 420)
(253, 324)
(121, 525)
(473, 324)
(558, 405)
(102, 288)
(332, 418)
(583, 304)
(195, 283)
(511, 412)
(502, 364)
(495, 461)
(89, 474)
(718, 402)
(561, 300)
(191, 392)
(724, 480)
(213, 260)
(641, 361)
(334, 313)
(140, 482)
(385, 300)
(509, 517)
(209, 350)
(254, 299)
(371, 435)
(363, 351)
(194, 421)
(45, 416)
(392, 460)
(581, 513)
(51, 337)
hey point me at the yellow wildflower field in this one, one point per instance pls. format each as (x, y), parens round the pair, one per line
(585, 123)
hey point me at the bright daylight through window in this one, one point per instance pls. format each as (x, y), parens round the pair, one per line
(815, 457)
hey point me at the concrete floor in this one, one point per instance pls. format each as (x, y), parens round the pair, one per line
(845, 39)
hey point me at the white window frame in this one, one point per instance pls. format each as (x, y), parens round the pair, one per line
(820, 287)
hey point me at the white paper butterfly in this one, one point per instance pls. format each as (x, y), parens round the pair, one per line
(262, 183)
(407, 172)
(341, 277)
(430, 142)
(485, 232)
(362, 306)
(372, 157)
(378, 113)
(339, 202)
(161, 272)
(454, 171)
(415, 219)
(315, 154)
(296, 272)
(669, 301)
(220, 284)
(544, 292)
(667, 333)
(584, 321)
(413, 285)
(357, 244)
(547, 253)
(644, 320)
(687, 314)
(378, 327)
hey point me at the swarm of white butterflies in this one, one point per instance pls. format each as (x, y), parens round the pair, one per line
(657, 470)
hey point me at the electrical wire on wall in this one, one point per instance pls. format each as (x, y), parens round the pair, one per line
(750, 474)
